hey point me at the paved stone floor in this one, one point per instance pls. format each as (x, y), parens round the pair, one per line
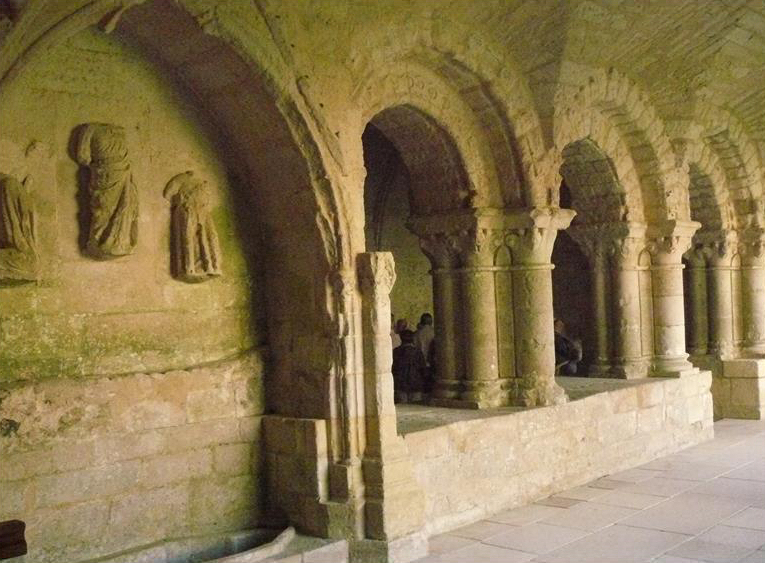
(706, 503)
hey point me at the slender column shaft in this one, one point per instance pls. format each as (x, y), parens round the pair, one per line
(600, 316)
(697, 324)
(446, 328)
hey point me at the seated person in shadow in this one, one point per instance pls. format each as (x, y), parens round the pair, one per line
(408, 370)
(568, 352)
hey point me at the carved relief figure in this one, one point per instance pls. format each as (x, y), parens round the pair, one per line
(113, 198)
(18, 254)
(195, 252)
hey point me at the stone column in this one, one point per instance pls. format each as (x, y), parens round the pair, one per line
(597, 249)
(531, 246)
(720, 291)
(440, 250)
(697, 325)
(602, 365)
(394, 504)
(668, 242)
(482, 385)
(753, 291)
(628, 357)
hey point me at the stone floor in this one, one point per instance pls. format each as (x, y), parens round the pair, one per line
(706, 503)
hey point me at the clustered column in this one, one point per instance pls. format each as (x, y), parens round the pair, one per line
(470, 287)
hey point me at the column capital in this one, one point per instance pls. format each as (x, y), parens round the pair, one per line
(475, 234)
(669, 240)
(623, 240)
(532, 240)
(377, 272)
(752, 247)
(720, 246)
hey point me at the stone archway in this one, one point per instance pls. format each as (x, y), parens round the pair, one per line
(255, 141)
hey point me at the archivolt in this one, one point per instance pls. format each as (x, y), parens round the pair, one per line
(611, 110)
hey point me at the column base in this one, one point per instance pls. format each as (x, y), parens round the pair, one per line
(672, 366)
(630, 369)
(599, 369)
(755, 350)
(447, 389)
(485, 394)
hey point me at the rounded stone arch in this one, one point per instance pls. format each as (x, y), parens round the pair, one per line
(485, 79)
(598, 195)
(253, 109)
(708, 187)
(611, 110)
(412, 104)
(726, 139)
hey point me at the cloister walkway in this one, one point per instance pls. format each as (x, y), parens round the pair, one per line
(705, 503)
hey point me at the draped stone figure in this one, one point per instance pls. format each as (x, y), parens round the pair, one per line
(195, 251)
(18, 254)
(113, 198)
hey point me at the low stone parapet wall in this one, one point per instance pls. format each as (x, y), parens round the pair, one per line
(472, 468)
(99, 465)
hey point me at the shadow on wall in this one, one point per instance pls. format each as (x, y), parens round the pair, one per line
(572, 294)
(387, 203)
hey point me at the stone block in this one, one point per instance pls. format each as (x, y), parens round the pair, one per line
(87, 484)
(110, 449)
(149, 515)
(233, 459)
(224, 503)
(279, 435)
(201, 434)
(172, 468)
(744, 368)
(209, 404)
(650, 419)
(63, 525)
(649, 394)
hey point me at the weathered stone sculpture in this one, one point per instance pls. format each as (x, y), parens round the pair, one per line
(195, 252)
(113, 203)
(18, 254)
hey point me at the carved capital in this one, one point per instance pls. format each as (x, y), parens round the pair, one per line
(670, 240)
(440, 249)
(752, 247)
(377, 272)
(477, 246)
(626, 251)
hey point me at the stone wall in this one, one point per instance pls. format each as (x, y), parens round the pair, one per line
(473, 468)
(95, 466)
(87, 316)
